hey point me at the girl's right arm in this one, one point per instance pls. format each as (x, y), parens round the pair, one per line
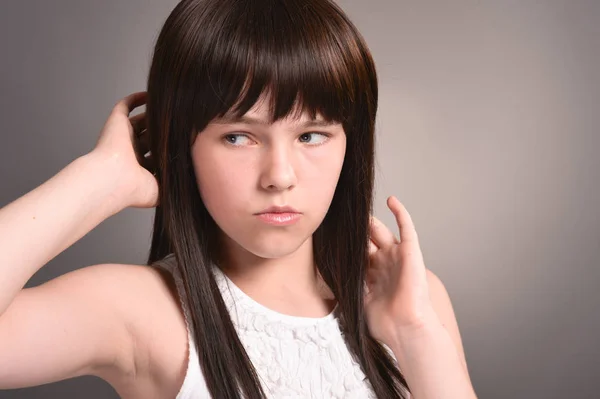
(71, 325)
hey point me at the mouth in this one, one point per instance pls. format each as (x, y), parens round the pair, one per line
(279, 218)
(278, 209)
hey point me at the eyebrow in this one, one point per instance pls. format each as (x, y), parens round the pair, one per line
(229, 119)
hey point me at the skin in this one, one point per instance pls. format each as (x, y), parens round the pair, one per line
(243, 168)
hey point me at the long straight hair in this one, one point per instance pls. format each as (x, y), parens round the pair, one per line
(214, 57)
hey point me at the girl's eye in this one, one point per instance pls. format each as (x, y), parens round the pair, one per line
(234, 139)
(231, 139)
(323, 139)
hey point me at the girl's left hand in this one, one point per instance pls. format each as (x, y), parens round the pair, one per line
(397, 292)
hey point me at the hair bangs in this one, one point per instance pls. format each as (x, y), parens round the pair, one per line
(288, 53)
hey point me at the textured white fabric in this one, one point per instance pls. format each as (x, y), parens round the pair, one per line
(295, 357)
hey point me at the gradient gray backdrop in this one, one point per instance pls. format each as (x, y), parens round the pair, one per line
(487, 131)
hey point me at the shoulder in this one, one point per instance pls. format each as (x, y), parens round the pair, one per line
(442, 305)
(147, 302)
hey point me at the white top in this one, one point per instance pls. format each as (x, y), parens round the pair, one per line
(295, 357)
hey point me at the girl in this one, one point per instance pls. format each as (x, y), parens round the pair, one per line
(267, 276)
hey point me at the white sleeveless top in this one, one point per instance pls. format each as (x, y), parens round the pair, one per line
(295, 357)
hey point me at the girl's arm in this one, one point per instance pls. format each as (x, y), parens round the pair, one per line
(408, 309)
(68, 326)
(432, 365)
(432, 357)
(77, 323)
(44, 222)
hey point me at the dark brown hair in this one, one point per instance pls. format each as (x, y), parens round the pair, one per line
(214, 57)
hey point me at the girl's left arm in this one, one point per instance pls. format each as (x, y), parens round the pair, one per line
(409, 310)
(431, 356)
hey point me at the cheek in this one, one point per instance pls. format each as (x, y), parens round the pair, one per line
(323, 173)
(319, 183)
(222, 187)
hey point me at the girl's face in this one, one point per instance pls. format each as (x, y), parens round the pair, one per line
(244, 167)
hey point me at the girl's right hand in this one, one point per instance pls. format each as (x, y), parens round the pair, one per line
(123, 146)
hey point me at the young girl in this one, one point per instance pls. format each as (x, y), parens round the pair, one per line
(267, 274)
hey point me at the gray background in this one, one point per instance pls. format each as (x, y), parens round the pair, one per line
(487, 131)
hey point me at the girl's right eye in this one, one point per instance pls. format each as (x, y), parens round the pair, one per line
(231, 139)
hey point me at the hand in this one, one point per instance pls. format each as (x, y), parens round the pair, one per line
(123, 147)
(397, 292)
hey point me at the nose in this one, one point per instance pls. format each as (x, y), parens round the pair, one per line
(278, 172)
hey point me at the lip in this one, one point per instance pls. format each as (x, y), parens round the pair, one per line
(278, 209)
(279, 218)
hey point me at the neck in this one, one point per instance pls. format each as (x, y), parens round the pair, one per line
(290, 284)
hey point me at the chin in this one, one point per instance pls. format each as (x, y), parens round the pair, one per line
(271, 250)
(272, 246)
(268, 242)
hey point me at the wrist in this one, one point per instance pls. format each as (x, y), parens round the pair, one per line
(408, 335)
(107, 181)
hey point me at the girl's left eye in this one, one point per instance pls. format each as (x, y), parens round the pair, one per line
(324, 138)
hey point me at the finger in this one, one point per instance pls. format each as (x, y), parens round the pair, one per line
(142, 144)
(138, 122)
(380, 234)
(136, 100)
(371, 278)
(406, 227)
(372, 247)
(131, 102)
(144, 155)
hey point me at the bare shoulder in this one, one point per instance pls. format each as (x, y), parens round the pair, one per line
(443, 307)
(146, 299)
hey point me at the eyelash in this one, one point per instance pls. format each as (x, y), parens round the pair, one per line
(327, 136)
